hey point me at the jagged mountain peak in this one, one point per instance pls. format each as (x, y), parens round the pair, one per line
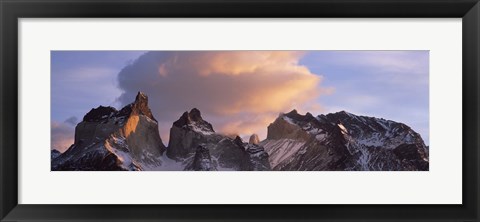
(294, 117)
(254, 139)
(238, 140)
(193, 120)
(193, 141)
(309, 115)
(366, 123)
(195, 115)
(128, 139)
(141, 96)
(189, 127)
(343, 112)
(54, 153)
(99, 113)
(108, 139)
(294, 112)
(188, 117)
(138, 107)
(344, 115)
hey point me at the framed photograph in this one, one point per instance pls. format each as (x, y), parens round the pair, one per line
(224, 110)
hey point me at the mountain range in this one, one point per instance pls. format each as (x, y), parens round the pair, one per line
(108, 139)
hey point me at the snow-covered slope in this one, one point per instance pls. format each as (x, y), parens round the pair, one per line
(343, 141)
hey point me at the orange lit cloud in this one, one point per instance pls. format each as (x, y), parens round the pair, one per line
(239, 92)
(248, 125)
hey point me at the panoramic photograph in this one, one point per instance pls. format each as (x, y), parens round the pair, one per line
(315, 110)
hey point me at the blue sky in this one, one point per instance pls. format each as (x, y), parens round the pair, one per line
(85, 79)
(388, 84)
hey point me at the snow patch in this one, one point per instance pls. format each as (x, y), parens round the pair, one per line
(200, 129)
(320, 137)
(289, 120)
(280, 150)
(150, 120)
(342, 128)
(167, 164)
(124, 157)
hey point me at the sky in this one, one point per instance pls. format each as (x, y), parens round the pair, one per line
(240, 92)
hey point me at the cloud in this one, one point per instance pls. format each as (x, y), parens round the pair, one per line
(84, 79)
(237, 91)
(62, 135)
(72, 120)
(393, 67)
(408, 62)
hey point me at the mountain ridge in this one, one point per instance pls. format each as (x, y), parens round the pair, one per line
(343, 141)
(128, 139)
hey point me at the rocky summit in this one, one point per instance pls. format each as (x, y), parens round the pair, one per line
(108, 139)
(254, 139)
(343, 141)
(128, 139)
(189, 131)
(191, 136)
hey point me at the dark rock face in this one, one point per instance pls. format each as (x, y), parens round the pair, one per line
(238, 141)
(343, 141)
(108, 139)
(229, 155)
(193, 120)
(192, 131)
(202, 160)
(189, 132)
(412, 156)
(258, 158)
(54, 154)
(99, 114)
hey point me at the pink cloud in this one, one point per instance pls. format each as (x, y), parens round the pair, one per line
(62, 135)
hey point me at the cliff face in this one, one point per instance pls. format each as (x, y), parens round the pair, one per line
(202, 161)
(187, 133)
(108, 139)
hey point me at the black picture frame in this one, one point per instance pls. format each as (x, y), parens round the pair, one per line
(12, 10)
